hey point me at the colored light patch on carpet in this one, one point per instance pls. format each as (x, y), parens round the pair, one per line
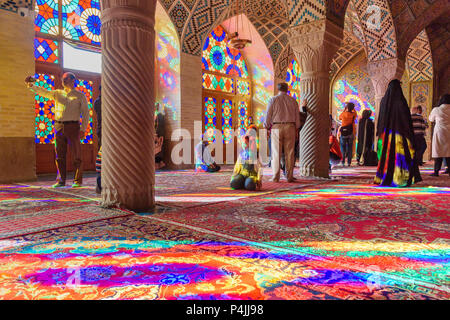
(136, 269)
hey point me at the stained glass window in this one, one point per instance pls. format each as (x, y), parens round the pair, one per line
(81, 20)
(44, 111)
(210, 118)
(293, 79)
(47, 17)
(243, 87)
(86, 87)
(344, 92)
(227, 120)
(217, 56)
(243, 117)
(46, 50)
(218, 83)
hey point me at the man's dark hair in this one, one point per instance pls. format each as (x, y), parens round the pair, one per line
(419, 109)
(350, 106)
(69, 75)
(283, 87)
(445, 99)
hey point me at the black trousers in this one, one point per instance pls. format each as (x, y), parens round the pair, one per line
(438, 164)
(421, 146)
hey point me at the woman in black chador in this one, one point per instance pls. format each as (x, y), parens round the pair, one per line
(397, 167)
(366, 131)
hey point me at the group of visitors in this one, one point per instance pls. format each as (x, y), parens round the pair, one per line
(400, 133)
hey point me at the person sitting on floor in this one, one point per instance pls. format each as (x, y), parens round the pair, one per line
(203, 158)
(335, 150)
(247, 172)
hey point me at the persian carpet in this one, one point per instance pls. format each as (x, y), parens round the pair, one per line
(133, 258)
(25, 210)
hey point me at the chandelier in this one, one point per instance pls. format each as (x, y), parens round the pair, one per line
(233, 38)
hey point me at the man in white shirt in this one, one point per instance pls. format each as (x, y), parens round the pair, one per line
(283, 119)
(69, 105)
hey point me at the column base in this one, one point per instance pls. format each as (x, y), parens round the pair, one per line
(135, 200)
(312, 172)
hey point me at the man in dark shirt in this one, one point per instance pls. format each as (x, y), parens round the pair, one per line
(98, 111)
(419, 126)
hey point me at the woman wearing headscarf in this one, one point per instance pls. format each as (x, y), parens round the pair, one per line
(366, 132)
(397, 166)
(441, 136)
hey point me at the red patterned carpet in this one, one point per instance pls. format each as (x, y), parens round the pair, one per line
(25, 210)
(338, 239)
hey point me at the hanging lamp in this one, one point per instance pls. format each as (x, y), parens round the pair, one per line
(233, 38)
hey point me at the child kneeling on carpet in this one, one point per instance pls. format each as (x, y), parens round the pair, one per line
(247, 172)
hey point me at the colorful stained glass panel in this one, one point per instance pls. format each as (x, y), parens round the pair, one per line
(46, 50)
(44, 111)
(227, 121)
(243, 117)
(46, 20)
(344, 92)
(293, 79)
(86, 87)
(243, 87)
(219, 57)
(210, 118)
(81, 20)
(218, 83)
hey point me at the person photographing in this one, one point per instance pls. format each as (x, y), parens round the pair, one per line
(69, 105)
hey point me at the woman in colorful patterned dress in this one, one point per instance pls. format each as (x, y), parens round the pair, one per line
(397, 166)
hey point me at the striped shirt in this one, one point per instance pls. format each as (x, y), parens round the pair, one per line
(419, 124)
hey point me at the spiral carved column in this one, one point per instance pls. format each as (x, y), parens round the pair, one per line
(128, 164)
(314, 45)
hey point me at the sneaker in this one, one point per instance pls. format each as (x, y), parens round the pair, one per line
(59, 185)
(76, 185)
(446, 171)
(434, 174)
(274, 180)
(293, 180)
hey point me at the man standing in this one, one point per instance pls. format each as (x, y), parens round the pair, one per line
(283, 118)
(419, 126)
(98, 112)
(69, 104)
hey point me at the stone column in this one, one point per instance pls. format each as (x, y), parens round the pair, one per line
(314, 45)
(381, 73)
(128, 44)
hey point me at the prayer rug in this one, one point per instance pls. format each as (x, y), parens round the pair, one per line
(25, 210)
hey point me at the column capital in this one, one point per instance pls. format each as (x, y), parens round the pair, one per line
(382, 72)
(315, 44)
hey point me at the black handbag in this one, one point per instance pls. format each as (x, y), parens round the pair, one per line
(347, 130)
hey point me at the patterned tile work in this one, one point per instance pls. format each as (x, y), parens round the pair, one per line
(304, 11)
(350, 46)
(439, 36)
(419, 60)
(378, 29)
(13, 6)
(336, 10)
(199, 26)
(421, 94)
(270, 18)
(179, 15)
